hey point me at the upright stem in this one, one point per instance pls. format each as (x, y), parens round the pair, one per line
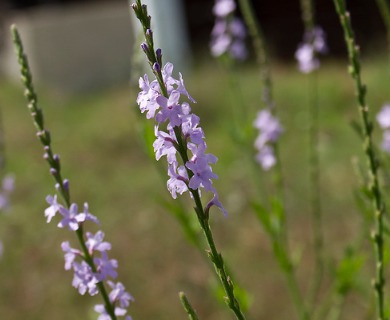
(258, 40)
(44, 137)
(368, 147)
(259, 44)
(181, 147)
(315, 192)
(308, 19)
(307, 14)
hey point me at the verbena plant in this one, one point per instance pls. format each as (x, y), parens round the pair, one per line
(179, 138)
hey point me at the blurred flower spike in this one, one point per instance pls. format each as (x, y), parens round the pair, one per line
(229, 32)
(307, 53)
(269, 131)
(7, 187)
(383, 118)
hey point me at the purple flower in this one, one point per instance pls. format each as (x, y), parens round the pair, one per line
(105, 267)
(307, 53)
(199, 165)
(269, 132)
(51, 211)
(84, 279)
(119, 294)
(228, 34)
(99, 308)
(87, 215)
(266, 157)
(164, 145)
(215, 202)
(171, 109)
(176, 117)
(383, 117)
(178, 180)
(147, 97)
(191, 130)
(95, 242)
(269, 127)
(70, 254)
(71, 218)
(306, 57)
(223, 8)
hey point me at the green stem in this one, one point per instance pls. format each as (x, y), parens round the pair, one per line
(259, 45)
(54, 164)
(307, 14)
(373, 184)
(187, 307)
(181, 146)
(307, 8)
(289, 269)
(315, 190)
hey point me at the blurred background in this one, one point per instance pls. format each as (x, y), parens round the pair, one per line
(84, 56)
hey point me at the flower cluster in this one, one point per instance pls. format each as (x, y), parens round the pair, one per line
(7, 187)
(88, 274)
(307, 53)
(182, 133)
(383, 118)
(269, 131)
(228, 34)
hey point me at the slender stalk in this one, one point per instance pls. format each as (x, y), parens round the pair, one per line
(307, 14)
(368, 147)
(187, 307)
(259, 44)
(51, 158)
(202, 215)
(307, 8)
(279, 241)
(315, 191)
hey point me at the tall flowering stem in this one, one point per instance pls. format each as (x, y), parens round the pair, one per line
(268, 156)
(160, 98)
(90, 274)
(314, 166)
(373, 164)
(258, 41)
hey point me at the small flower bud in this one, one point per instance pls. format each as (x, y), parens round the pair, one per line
(144, 47)
(159, 53)
(159, 56)
(56, 158)
(46, 156)
(53, 171)
(156, 67)
(66, 184)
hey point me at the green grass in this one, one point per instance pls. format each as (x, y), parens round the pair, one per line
(97, 139)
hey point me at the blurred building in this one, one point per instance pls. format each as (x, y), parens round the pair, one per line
(78, 46)
(87, 44)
